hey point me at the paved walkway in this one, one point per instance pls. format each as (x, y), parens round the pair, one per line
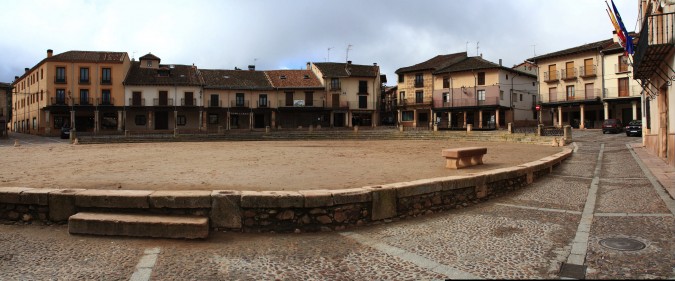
(565, 220)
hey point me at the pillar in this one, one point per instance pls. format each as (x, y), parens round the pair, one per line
(202, 118)
(606, 106)
(634, 104)
(175, 119)
(433, 118)
(120, 120)
(227, 122)
(449, 119)
(582, 125)
(464, 125)
(560, 116)
(274, 119)
(349, 119)
(97, 123)
(250, 121)
(48, 127)
(150, 120)
(415, 118)
(497, 118)
(480, 118)
(72, 119)
(399, 116)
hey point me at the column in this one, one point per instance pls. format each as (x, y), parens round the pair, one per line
(497, 118)
(274, 119)
(449, 119)
(399, 116)
(582, 125)
(414, 118)
(433, 120)
(150, 120)
(635, 117)
(227, 122)
(175, 119)
(250, 121)
(48, 127)
(606, 106)
(480, 118)
(72, 119)
(202, 118)
(120, 120)
(97, 124)
(560, 116)
(464, 125)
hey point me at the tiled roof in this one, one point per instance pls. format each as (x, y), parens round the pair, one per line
(595, 46)
(149, 56)
(180, 75)
(235, 79)
(336, 69)
(89, 56)
(293, 79)
(434, 63)
(475, 63)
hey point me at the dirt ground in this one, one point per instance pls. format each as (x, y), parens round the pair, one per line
(275, 165)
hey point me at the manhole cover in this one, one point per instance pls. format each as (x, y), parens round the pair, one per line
(622, 244)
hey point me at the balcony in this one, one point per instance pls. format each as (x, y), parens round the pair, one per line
(58, 101)
(419, 83)
(621, 68)
(654, 45)
(579, 96)
(263, 104)
(302, 103)
(106, 82)
(406, 102)
(215, 103)
(137, 102)
(587, 72)
(634, 91)
(188, 102)
(162, 102)
(340, 105)
(239, 103)
(467, 102)
(105, 102)
(83, 101)
(568, 74)
(335, 86)
(550, 77)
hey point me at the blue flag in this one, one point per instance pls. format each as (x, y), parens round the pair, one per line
(629, 40)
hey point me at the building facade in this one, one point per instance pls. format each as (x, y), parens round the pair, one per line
(353, 92)
(77, 89)
(300, 99)
(484, 94)
(162, 97)
(653, 67)
(5, 108)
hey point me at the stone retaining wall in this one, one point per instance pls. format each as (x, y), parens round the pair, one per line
(281, 211)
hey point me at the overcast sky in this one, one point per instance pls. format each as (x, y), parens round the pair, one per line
(285, 34)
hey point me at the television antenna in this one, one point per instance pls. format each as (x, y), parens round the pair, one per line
(349, 47)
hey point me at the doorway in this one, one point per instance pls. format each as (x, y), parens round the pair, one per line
(338, 120)
(161, 120)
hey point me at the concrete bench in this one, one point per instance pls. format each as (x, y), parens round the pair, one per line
(457, 158)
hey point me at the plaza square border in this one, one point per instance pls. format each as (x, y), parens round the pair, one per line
(282, 211)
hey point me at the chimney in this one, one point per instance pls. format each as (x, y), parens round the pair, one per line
(251, 67)
(500, 62)
(615, 37)
(26, 69)
(481, 55)
(374, 64)
(50, 52)
(308, 66)
(349, 62)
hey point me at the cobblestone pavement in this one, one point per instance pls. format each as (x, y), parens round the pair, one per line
(560, 219)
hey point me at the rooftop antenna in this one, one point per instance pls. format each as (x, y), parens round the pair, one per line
(328, 59)
(133, 55)
(534, 50)
(477, 47)
(349, 47)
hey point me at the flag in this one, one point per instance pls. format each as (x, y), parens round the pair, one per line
(628, 40)
(616, 27)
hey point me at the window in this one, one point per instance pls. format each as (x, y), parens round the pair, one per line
(289, 98)
(446, 82)
(309, 98)
(335, 83)
(588, 67)
(481, 95)
(60, 75)
(407, 116)
(507, 77)
(189, 99)
(623, 64)
(139, 120)
(402, 95)
(419, 80)
(239, 99)
(109, 121)
(84, 75)
(42, 74)
(570, 93)
(481, 78)
(446, 97)
(262, 100)
(363, 87)
(552, 73)
(181, 120)
(401, 78)
(106, 77)
(214, 101)
(501, 95)
(521, 97)
(569, 70)
(419, 97)
(149, 64)
(136, 99)
(363, 101)
(213, 119)
(34, 123)
(552, 94)
(59, 121)
(60, 96)
(105, 97)
(623, 87)
(84, 97)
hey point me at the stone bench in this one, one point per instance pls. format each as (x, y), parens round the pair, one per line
(457, 158)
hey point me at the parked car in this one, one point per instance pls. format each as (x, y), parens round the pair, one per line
(634, 128)
(612, 125)
(65, 132)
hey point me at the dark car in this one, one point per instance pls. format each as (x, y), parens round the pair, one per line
(612, 126)
(65, 132)
(634, 128)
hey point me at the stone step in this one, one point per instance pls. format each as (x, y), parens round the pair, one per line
(140, 225)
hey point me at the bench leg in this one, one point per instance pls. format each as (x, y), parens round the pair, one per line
(458, 163)
(477, 160)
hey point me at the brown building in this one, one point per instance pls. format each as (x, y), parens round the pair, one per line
(301, 99)
(76, 88)
(5, 107)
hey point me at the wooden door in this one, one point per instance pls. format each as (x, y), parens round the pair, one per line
(163, 98)
(189, 99)
(336, 100)
(588, 67)
(589, 91)
(623, 87)
(136, 99)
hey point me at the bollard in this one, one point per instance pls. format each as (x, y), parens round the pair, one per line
(540, 129)
(567, 133)
(400, 128)
(435, 128)
(175, 132)
(509, 128)
(469, 127)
